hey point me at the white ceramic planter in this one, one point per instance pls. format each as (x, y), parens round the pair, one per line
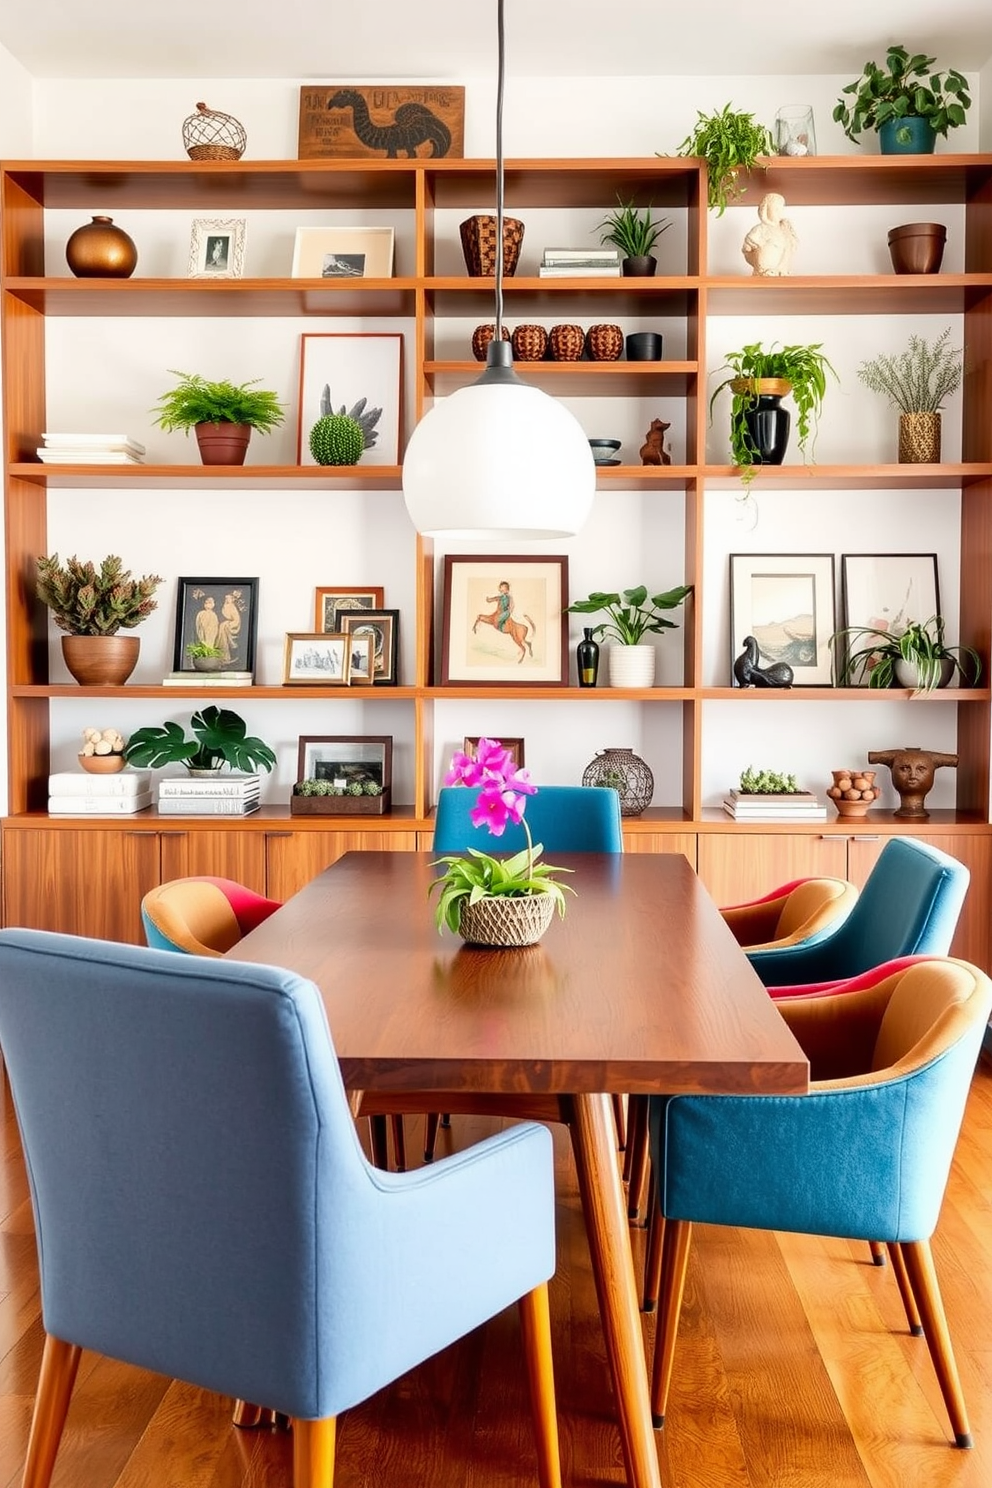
(631, 666)
(908, 673)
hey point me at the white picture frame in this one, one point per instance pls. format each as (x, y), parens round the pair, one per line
(786, 601)
(217, 247)
(342, 368)
(343, 253)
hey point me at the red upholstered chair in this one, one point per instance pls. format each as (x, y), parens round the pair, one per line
(795, 912)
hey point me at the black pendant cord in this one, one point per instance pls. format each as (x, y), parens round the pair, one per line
(500, 69)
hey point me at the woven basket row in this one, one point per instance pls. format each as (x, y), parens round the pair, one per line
(563, 343)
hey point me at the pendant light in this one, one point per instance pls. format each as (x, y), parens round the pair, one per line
(499, 458)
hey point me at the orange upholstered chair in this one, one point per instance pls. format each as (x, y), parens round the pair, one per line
(792, 914)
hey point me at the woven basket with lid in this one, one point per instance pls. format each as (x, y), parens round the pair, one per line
(211, 135)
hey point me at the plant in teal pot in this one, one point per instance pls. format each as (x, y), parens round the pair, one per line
(907, 103)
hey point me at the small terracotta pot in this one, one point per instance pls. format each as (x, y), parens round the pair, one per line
(917, 247)
(853, 792)
(100, 661)
(223, 444)
(102, 764)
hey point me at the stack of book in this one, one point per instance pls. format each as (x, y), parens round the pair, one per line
(72, 793)
(90, 449)
(796, 806)
(208, 679)
(229, 794)
(567, 263)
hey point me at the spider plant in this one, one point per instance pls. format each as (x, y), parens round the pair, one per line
(921, 644)
(730, 142)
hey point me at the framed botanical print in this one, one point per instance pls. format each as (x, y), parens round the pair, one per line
(786, 602)
(357, 372)
(504, 621)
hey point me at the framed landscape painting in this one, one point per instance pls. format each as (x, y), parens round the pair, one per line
(786, 601)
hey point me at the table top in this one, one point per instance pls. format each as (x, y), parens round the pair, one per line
(640, 988)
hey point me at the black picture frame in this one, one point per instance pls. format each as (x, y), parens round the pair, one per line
(384, 627)
(346, 757)
(235, 630)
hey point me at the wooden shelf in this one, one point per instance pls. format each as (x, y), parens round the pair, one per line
(165, 477)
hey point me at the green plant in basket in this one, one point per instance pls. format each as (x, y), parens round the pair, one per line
(502, 796)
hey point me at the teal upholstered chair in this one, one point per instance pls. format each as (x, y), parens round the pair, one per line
(203, 1208)
(865, 1155)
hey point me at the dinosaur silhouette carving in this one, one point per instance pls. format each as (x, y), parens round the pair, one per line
(412, 125)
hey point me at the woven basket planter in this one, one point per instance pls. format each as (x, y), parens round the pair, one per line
(919, 439)
(478, 236)
(506, 922)
(530, 343)
(481, 337)
(567, 343)
(604, 343)
(211, 135)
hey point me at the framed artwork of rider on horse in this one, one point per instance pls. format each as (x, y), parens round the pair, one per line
(504, 621)
(349, 121)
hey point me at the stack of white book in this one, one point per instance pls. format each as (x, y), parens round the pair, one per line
(90, 449)
(73, 793)
(568, 263)
(229, 794)
(208, 679)
(796, 806)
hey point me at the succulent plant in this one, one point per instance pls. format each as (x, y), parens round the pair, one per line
(90, 601)
(367, 418)
(337, 439)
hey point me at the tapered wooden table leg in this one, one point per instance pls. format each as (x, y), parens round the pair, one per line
(594, 1140)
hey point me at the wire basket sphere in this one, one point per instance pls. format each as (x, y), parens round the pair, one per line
(628, 775)
(211, 135)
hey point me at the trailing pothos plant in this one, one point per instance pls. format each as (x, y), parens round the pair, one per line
(804, 368)
(904, 88)
(730, 142)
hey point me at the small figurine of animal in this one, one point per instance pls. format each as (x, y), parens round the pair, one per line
(748, 673)
(653, 451)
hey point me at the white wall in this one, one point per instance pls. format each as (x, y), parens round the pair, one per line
(107, 376)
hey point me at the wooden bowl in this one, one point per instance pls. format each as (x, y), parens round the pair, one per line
(102, 764)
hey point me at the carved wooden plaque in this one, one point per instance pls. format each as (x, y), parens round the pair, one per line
(381, 122)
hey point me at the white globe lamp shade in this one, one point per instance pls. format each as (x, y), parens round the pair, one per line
(498, 459)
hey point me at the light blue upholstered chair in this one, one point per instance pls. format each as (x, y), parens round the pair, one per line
(203, 1207)
(566, 818)
(865, 1155)
(909, 906)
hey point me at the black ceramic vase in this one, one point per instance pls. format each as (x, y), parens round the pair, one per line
(587, 659)
(768, 429)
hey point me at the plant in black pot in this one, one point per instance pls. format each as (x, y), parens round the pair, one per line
(759, 425)
(730, 142)
(907, 103)
(222, 413)
(635, 232)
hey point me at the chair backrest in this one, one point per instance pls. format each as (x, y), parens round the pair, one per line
(813, 905)
(909, 906)
(566, 818)
(202, 916)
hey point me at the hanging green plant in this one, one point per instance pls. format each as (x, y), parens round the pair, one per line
(730, 142)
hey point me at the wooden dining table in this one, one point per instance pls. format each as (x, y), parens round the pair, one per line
(641, 988)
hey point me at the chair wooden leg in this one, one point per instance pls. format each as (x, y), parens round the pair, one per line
(675, 1260)
(637, 1152)
(431, 1122)
(313, 1453)
(652, 1259)
(620, 1117)
(247, 1416)
(59, 1363)
(399, 1143)
(905, 1290)
(877, 1252)
(923, 1279)
(535, 1326)
(380, 1145)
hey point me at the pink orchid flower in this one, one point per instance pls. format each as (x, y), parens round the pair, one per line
(495, 807)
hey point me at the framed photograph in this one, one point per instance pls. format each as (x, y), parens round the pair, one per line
(361, 658)
(515, 747)
(222, 613)
(316, 658)
(217, 248)
(786, 601)
(331, 604)
(356, 120)
(504, 621)
(360, 373)
(884, 592)
(382, 629)
(344, 759)
(343, 253)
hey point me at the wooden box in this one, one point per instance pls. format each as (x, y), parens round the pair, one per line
(339, 805)
(381, 122)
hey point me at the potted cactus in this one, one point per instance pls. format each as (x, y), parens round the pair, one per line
(337, 439)
(222, 413)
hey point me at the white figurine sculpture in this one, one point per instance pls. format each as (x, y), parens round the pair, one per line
(769, 246)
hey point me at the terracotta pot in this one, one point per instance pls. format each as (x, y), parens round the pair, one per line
(100, 661)
(102, 764)
(853, 792)
(917, 247)
(101, 250)
(223, 444)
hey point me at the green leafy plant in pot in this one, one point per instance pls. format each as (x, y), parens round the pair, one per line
(917, 381)
(634, 231)
(632, 615)
(222, 413)
(907, 103)
(730, 142)
(92, 605)
(916, 657)
(760, 379)
(220, 737)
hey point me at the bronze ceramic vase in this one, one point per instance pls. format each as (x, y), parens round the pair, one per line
(101, 250)
(100, 661)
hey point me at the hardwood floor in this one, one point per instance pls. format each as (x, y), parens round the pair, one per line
(794, 1370)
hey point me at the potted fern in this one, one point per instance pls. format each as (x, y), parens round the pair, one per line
(222, 413)
(917, 381)
(635, 232)
(730, 142)
(760, 379)
(907, 103)
(92, 605)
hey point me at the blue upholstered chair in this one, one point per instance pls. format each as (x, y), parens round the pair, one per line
(865, 1155)
(909, 906)
(203, 1208)
(566, 818)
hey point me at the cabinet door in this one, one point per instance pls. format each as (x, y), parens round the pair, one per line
(294, 858)
(87, 882)
(737, 868)
(226, 853)
(972, 939)
(662, 842)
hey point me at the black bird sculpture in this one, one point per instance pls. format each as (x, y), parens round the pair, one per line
(747, 672)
